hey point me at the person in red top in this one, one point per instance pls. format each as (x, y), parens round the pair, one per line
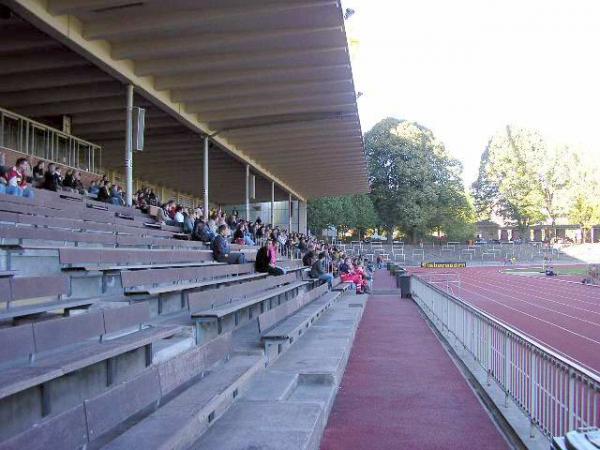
(15, 180)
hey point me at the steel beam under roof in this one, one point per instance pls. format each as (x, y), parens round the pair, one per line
(258, 76)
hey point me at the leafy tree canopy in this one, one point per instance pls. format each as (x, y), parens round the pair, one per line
(415, 185)
(526, 180)
(343, 213)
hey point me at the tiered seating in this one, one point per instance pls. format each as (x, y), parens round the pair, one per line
(339, 285)
(166, 280)
(118, 259)
(99, 342)
(144, 357)
(215, 312)
(282, 325)
(24, 296)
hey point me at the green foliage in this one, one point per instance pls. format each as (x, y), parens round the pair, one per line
(415, 185)
(526, 180)
(343, 213)
(508, 180)
(585, 194)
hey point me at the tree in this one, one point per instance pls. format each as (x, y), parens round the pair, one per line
(509, 180)
(555, 172)
(415, 184)
(342, 213)
(584, 195)
(364, 214)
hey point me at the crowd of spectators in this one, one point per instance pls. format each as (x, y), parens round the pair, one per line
(19, 179)
(219, 229)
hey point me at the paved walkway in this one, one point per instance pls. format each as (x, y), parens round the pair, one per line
(401, 389)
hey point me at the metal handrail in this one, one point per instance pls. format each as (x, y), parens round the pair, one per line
(557, 394)
(24, 136)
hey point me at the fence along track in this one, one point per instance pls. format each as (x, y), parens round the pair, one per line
(556, 394)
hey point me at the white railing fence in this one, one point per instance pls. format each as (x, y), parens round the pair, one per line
(556, 394)
(33, 138)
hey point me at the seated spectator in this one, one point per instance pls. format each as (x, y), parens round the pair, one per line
(178, 216)
(272, 248)
(116, 196)
(202, 231)
(349, 275)
(212, 223)
(77, 184)
(15, 180)
(318, 270)
(94, 189)
(153, 199)
(308, 259)
(38, 173)
(238, 235)
(52, 179)
(188, 221)
(68, 180)
(263, 263)
(248, 240)
(166, 214)
(104, 192)
(221, 249)
(140, 199)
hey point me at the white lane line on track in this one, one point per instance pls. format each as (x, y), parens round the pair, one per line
(477, 286)
(502, 289)
(528, 315)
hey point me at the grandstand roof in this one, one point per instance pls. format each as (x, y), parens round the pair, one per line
(270, 79)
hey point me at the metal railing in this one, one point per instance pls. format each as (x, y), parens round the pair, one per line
(33, 138)
(556, 394)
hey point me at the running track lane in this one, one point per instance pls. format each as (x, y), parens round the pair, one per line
(402, 390)
(562, 315)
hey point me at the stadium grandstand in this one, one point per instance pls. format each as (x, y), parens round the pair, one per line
(159, 286)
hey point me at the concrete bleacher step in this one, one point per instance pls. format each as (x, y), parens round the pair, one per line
(286, 406)
(181, 421)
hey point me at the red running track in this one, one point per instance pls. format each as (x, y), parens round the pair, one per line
(561, 314)
(402, 390)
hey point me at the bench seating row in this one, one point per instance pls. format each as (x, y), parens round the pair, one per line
(201, 382)
(281, 326)
(26, 296)
(217, 311)
(38, 352)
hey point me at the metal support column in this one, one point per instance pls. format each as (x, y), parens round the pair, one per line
(273, 203)
(205, 167)
(290, 206)
(129, 147)
(247, 192)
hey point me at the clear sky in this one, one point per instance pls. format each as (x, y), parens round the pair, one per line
(466, 68)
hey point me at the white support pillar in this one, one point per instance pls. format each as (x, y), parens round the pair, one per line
(272, 203)
(205, 183)
(129, 147)
(247, 192)
(290, 206)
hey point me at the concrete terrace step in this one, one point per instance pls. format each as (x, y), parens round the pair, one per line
(182, 420)
(287, 405)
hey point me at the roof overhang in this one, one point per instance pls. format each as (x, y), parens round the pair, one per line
(269, 80)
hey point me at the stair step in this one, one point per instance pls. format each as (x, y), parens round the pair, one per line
(181, 421)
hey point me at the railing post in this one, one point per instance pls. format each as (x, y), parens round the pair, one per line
(571, 407)
(532, 392)
(490, 354)
(507, 357)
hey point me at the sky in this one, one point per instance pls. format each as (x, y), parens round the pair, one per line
(467, 68)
